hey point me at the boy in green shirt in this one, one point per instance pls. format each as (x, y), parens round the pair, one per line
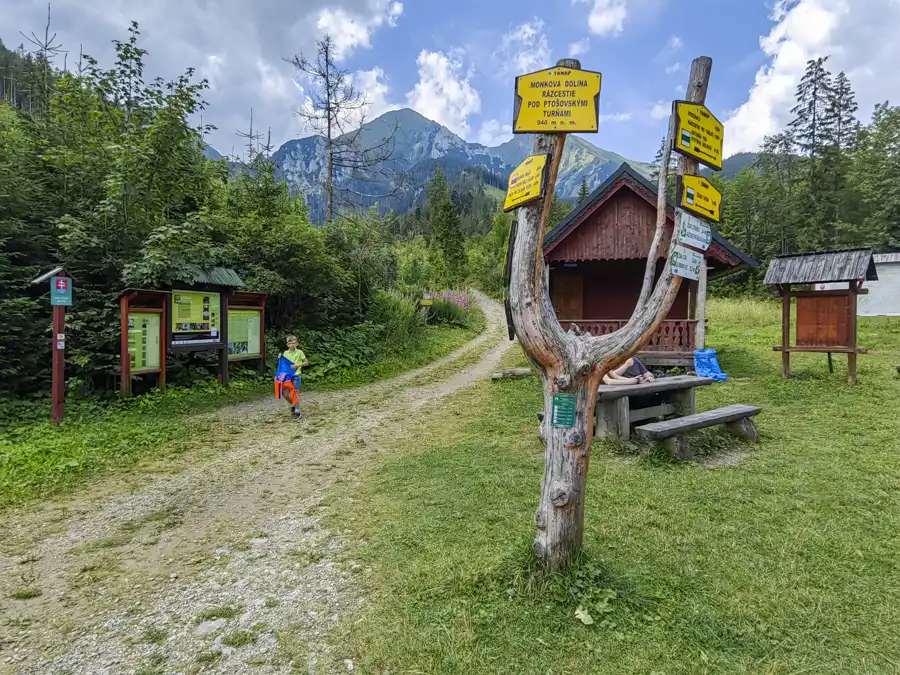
(298, 359)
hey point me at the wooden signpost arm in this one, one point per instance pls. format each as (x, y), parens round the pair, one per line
(571, 364)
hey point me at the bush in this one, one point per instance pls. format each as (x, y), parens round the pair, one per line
(399, 315)
(448, 312)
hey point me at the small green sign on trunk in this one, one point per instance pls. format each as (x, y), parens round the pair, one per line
(563, 413)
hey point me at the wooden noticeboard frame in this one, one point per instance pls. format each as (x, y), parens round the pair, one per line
(141, 301)
(826, 323)
(247, 301)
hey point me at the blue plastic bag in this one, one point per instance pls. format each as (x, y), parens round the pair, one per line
(707, 365)
(285, 370)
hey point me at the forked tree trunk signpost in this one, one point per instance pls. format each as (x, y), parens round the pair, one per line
(572, 364)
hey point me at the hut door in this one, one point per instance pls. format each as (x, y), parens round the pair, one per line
(568, 296)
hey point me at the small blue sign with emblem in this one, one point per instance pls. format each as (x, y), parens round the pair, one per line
(61, 291)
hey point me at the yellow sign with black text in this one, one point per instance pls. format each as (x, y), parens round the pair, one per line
(526, 182)
(698, 134)
(557, 100)
(697, 195)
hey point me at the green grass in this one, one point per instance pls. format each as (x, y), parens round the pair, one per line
(25, 593)
(786, 563)
(435, 342)
(39, 459)
(223, 612)
(239, 638)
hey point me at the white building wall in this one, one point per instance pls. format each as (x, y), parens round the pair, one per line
(883, 298)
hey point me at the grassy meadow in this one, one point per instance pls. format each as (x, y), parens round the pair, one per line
(38, 459)
(780, 557)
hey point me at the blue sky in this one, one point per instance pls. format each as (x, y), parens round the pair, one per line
(455, 61)
(645, 64)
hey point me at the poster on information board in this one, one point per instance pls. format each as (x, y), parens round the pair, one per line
(143, 342)
(196, 319)
(244, 334)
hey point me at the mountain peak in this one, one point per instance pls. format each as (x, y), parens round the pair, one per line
(406, 116)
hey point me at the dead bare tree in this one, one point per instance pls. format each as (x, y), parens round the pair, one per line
(336, 110)
(574, 363)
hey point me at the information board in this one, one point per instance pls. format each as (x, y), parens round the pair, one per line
(557, 100)
(563, 410)
(143, 341)
(244, 333)
(61, 291)
(526, 182)
(686, 263)
(698, 134)
(196, 318)
(692, 231)
(697, 195)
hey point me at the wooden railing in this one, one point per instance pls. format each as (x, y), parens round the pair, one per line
(674, 335)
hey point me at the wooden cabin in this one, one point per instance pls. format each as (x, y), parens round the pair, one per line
(597, 257)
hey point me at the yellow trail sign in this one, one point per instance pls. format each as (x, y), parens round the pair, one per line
(557, 100)
(697, 195)
(698, 134)
(526, 182)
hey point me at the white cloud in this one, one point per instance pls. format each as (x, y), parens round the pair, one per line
(860, 38)
(661, 110)
(523, 49)
(237, 45)
(443, 92)
(607, 17)
(579, 48)
(211, 70)
(274, 85)
(372, 86)
(616, 117)
(351, 30)
(493, 133)
(667, 54)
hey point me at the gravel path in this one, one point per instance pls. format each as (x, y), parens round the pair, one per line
(219, 564)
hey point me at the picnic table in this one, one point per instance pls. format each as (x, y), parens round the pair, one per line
(615, 411)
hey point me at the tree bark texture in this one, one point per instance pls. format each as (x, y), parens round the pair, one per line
(573, 362)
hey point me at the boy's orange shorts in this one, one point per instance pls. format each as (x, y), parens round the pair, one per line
(286, 390)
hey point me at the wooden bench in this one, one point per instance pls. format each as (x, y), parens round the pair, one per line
(671, 433)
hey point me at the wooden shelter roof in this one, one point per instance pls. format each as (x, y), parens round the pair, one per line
(822, 267)
(217, 276)
(628, 176)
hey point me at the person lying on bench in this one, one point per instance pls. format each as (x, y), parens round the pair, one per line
(630, 372)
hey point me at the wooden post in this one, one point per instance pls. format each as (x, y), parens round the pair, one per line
(223, 331)
(58, 384)
(163, 343)
(853, 298)
(785, 330)
(261, 370)
(573, 363)
(125, 358)
(612, 419)
(701, 307)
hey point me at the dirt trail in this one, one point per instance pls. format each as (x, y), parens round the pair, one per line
(224, 566)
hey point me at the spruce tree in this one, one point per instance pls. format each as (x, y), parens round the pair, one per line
(841, 129)
(445, 227)
(583, 192)
(811, 128)
(811, 121)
